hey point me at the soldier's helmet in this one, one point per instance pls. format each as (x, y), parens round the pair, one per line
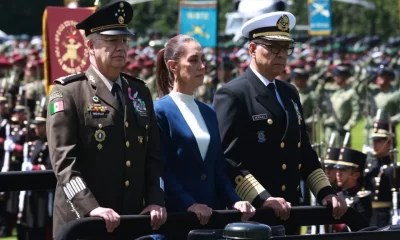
(350, 158)
(343, 69)
(300, 73)
(331, 157)
(382, 129)
(386, 72)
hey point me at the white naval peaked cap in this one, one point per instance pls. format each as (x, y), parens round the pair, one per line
(274, 26)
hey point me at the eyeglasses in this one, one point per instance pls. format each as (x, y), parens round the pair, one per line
(276, 49)
(116, 41)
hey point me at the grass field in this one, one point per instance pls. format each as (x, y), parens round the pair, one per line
(14, 237)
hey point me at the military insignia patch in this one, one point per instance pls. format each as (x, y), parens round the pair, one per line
(138, 104)
(261, 136)
(56, 107)
(54, 95)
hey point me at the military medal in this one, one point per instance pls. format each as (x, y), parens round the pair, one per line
(297, 111)
(95, 99)
(138, 104)
(100, 136)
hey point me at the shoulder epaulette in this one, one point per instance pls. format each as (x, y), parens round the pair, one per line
(70, 78)
(129, 77)
(363, 194)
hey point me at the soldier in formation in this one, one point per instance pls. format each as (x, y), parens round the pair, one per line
(35, 207)
(349, 177)
(380, 173)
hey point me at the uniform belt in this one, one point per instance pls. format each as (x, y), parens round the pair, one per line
(381, 204)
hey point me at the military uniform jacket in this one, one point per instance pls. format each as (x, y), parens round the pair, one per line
(359, 200)
(264, 143)
(36, 203)
(18, 135)
(379, 177)
(3, 123)
(102, 155)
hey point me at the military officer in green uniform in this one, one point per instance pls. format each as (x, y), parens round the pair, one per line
(349, 174)
(149, 77)
(102, 132)
(341, 108)
(379, 96)
(299, 80)
(379, 175)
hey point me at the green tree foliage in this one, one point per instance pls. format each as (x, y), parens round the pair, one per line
(351, 18)
(163, 16)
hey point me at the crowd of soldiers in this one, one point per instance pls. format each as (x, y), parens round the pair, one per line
(339, 80)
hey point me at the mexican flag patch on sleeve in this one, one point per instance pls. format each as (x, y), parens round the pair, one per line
(56, 107)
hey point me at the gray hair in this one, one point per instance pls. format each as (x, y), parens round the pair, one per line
(92, 37)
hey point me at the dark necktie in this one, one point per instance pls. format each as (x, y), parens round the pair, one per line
(271, 87)
(116, 91)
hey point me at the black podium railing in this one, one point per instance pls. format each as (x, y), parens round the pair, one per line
(139, 225)
(30, 180)
(369, 235)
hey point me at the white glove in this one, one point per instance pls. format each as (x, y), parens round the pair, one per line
(26, 166)
(4, 169)
(9, 145)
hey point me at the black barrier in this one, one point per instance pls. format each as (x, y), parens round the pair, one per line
(30, 180)
(139, 225)
(389, 235)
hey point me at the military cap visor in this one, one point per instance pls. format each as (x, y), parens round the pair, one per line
(275, 26)
(328, 163)
(38, 121)
(350, 158)
(110, 19)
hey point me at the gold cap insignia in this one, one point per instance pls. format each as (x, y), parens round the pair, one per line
(121, 5)
(283, 23)
(121, 20)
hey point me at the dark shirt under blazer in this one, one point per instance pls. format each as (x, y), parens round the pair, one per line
(189, 179)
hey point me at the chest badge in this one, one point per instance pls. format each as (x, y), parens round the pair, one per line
(97, 110)
(100, 136)
(296, 108)
(138, 104)
(95, 99)
(261, 136)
